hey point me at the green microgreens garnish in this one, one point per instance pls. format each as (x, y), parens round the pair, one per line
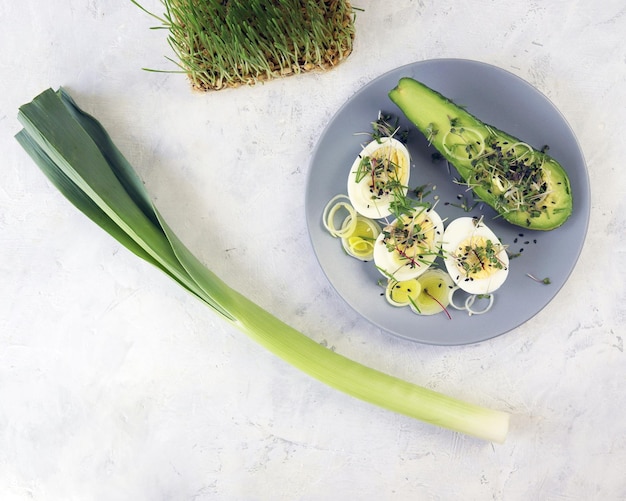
(545, 281)
(383, 176)
(414, 304)
(443, 308)
(388, 125)
(421, 191)
(473, 259)
(431, 132)
(471, 146)
(409, 238)
(402, 205)
(512, 173)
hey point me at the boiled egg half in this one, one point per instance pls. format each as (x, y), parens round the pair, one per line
(407, 246)
(474, 257)
(379, 172)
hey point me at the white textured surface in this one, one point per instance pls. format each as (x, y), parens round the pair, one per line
(115, 384)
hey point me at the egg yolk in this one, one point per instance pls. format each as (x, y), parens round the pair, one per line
(386, 165)
(477, 257)
(411, 238)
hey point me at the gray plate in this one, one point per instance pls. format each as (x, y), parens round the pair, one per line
(501, 99)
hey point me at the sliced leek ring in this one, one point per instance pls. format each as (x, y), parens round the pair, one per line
(336, 204)
(459, 141)
(468, 304)
(434, 296)
(402, 293)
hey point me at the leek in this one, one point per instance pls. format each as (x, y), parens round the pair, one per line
(77, 155)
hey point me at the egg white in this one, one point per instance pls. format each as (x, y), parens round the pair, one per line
(391, 263)
(363, 200)
(456, 233)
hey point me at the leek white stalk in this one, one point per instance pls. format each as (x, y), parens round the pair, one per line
(75, 152)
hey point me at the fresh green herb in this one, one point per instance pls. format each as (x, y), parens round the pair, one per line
(431, 131)
(402, 205)
(443, 308)
(473, 257)
(383, 175)
(415, 305)
(545, 281)
(513, 173)
(410, 237)
(420, 192)
(226, 43)
(77, 155)
(388, 125)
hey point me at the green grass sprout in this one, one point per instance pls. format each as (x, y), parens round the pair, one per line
(227, 43)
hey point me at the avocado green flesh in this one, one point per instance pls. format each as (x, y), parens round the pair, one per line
(525, 186)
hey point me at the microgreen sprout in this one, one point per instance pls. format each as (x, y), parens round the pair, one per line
(414, 304)
(421, 191)
(545, 281)
(443, 308)
(513, 174)
(383, 174)
(401, 205)
(410, 236)
(475, 258)
(388, 125)
(431, 132)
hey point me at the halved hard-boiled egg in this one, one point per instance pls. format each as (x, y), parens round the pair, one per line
(474, 257)
(408, 245)
(380, 172)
